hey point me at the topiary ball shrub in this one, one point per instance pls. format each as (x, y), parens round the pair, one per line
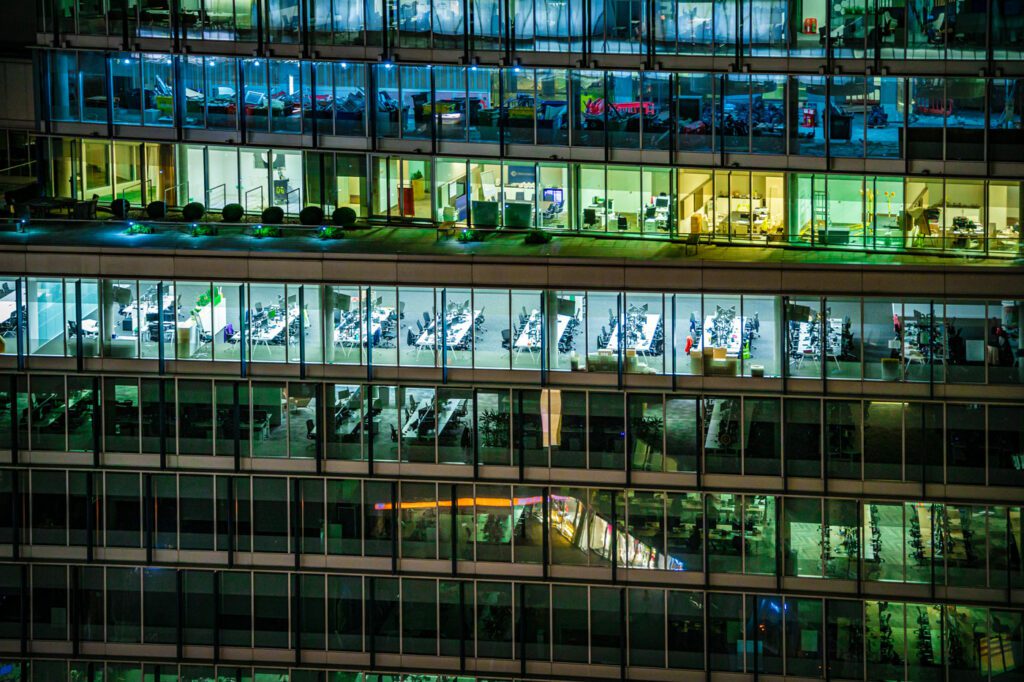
(537, 237)
(193, 212)
(119, 207)
(311, 215)
(344, 217)
(273, 215)
(156, 210)
(232, 213)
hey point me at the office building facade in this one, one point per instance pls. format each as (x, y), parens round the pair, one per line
(268, 454)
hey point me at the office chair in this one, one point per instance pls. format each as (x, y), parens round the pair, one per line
(310, 430)
(506, 338)
(623, 223)
(410, 338)
(426, 318)
(589, 217)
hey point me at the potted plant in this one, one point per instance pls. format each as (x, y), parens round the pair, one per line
(232, 213)
(344, 217)
(419, 190)
(193, 211)
(311, 216)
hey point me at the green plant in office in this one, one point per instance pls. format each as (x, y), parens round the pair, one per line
(204, 299)
(537, 237)
(647, 429)
(493, 429)
(963, 223)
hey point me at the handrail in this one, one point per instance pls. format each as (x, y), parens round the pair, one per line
(222, 186)
(245, 197)
(19, 165)
(288, 200)
(142, 188)
(173, 187)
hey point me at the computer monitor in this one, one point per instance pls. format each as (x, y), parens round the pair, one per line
(553, 194)
(661, 202)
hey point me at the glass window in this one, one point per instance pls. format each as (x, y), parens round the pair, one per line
(49, 508)
(379, 518)
(725, 636)
(722, 435)
(762, 437)
(49, 602)
(803, 533)
(130, 98)
(123, 510)
(534, 609)
(419, 616)
(418, 520)
(565, 426)
(843, 435)
(124, 605)
(569, 623)
(235, 609)
(493, 620)
(270, 514)
(270, 610)
(159, 605)
(803, 437)
(199, 607)
(647, 627)
(345, 607)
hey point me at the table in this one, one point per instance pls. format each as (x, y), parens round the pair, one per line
(457, 328)
(641, 339)
(425, 411)
(735, 341)
(529, 337)
(350, 330)
(8, 306)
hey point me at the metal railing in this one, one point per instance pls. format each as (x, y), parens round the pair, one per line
(223, 187)
(245, 198)
(7, 171)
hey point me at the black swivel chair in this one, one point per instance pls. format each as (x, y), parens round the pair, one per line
(410, 338)
(506, 338)
(310, 430)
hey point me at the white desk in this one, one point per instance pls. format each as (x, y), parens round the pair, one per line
(530, 335)
(734, 343)
(643, 344)
(455, 331)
